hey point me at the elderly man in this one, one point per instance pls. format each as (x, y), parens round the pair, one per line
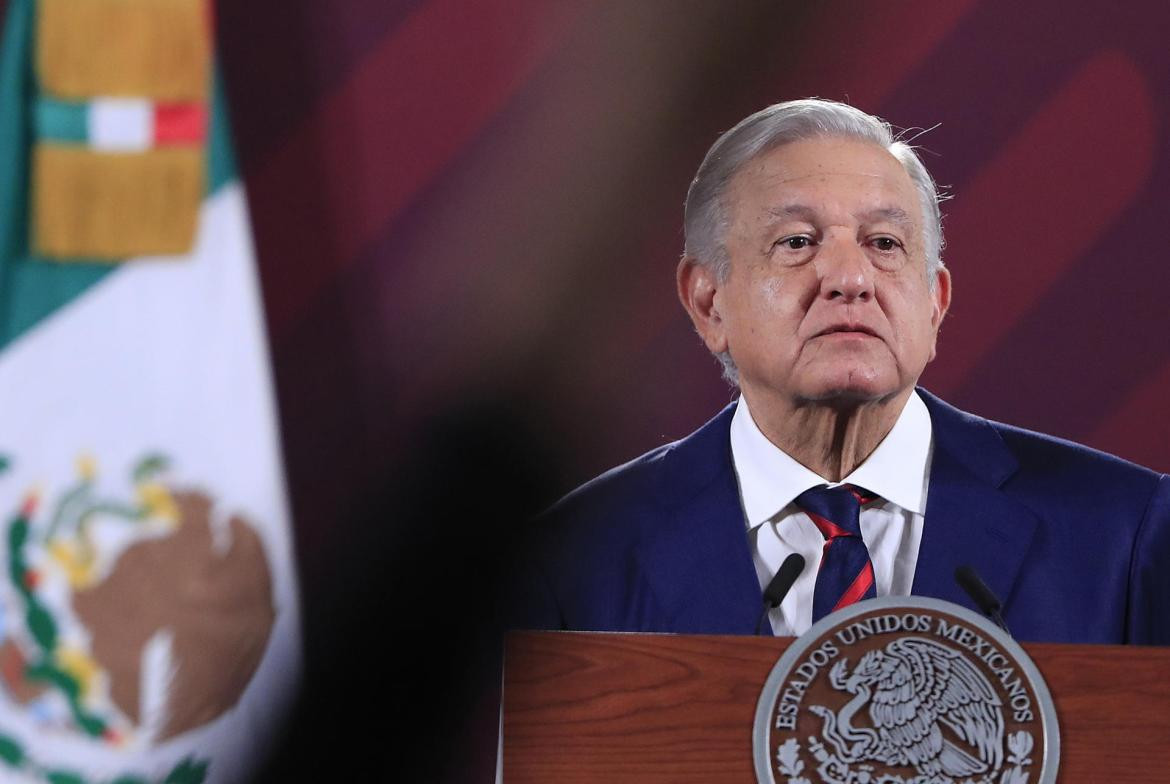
(813, 271)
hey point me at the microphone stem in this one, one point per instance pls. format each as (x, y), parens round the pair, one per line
(997, 618)
(763, 615)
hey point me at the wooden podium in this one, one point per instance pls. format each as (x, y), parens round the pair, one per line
(586, 707)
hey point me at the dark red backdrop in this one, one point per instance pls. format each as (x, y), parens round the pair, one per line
(455, 200)
(467, 214)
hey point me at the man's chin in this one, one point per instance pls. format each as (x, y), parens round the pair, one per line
(851, 392)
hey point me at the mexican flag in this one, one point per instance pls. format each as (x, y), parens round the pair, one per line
(149, 628)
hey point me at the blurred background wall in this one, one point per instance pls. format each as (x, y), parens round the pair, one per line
(468, 214)
(457, 202)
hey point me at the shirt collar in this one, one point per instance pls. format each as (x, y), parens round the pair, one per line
(898, 469)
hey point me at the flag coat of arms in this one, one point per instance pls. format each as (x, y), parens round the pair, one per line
(149, 628)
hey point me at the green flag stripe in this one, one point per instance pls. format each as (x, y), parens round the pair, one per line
(61, 121)
(32, 289)
(15, 87)
(221, 159)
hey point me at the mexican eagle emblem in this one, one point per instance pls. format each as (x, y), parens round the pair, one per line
(928, 708)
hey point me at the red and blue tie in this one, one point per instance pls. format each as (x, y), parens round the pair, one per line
(845, 575)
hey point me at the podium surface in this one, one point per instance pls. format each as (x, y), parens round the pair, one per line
(588, 707)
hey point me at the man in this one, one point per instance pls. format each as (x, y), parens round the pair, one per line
(813, 271)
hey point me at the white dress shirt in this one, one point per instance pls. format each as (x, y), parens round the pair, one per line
(898, 470)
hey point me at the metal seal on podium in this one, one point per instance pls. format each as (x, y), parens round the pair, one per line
(905, 690)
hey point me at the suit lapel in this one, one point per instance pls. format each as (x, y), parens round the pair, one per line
(969, 519)
(698, 564)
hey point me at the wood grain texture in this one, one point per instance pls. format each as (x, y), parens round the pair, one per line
(586, 707)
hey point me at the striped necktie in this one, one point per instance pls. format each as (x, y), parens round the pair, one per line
(845, 575)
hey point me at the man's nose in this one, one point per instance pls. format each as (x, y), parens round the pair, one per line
(845, 271)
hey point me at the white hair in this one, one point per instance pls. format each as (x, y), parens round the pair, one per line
(706, 219)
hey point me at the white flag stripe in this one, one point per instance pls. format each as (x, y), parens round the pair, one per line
(170, 355)
(121, 124)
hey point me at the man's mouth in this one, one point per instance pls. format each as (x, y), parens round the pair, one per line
(848, 329)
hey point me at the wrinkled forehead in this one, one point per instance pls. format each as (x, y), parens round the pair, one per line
(828, 174)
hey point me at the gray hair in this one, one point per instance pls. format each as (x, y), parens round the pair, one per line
(706, 218)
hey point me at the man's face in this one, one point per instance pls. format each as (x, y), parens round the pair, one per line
(827, 297)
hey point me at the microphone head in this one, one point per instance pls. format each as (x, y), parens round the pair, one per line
(785, 576)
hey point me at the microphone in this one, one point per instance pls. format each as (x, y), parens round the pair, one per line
(777, 589)
(984, 598)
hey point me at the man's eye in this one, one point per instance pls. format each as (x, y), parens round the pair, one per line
(796, 243)
(886, 243)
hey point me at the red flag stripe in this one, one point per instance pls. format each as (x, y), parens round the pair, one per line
(179, 123)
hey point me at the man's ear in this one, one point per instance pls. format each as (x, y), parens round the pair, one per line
(698, 290)
(942, 295)
(942, 303)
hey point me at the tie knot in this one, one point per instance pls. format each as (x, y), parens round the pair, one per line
(836, 511)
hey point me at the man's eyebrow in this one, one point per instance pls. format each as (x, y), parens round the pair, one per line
(793, 211)
(892, 214)
(804, 212)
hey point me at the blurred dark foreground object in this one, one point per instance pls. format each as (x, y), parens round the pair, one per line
(403, 659)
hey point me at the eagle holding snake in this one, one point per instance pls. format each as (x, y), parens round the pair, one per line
(929, 708)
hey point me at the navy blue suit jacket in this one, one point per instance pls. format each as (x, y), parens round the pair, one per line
(1075, 542)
